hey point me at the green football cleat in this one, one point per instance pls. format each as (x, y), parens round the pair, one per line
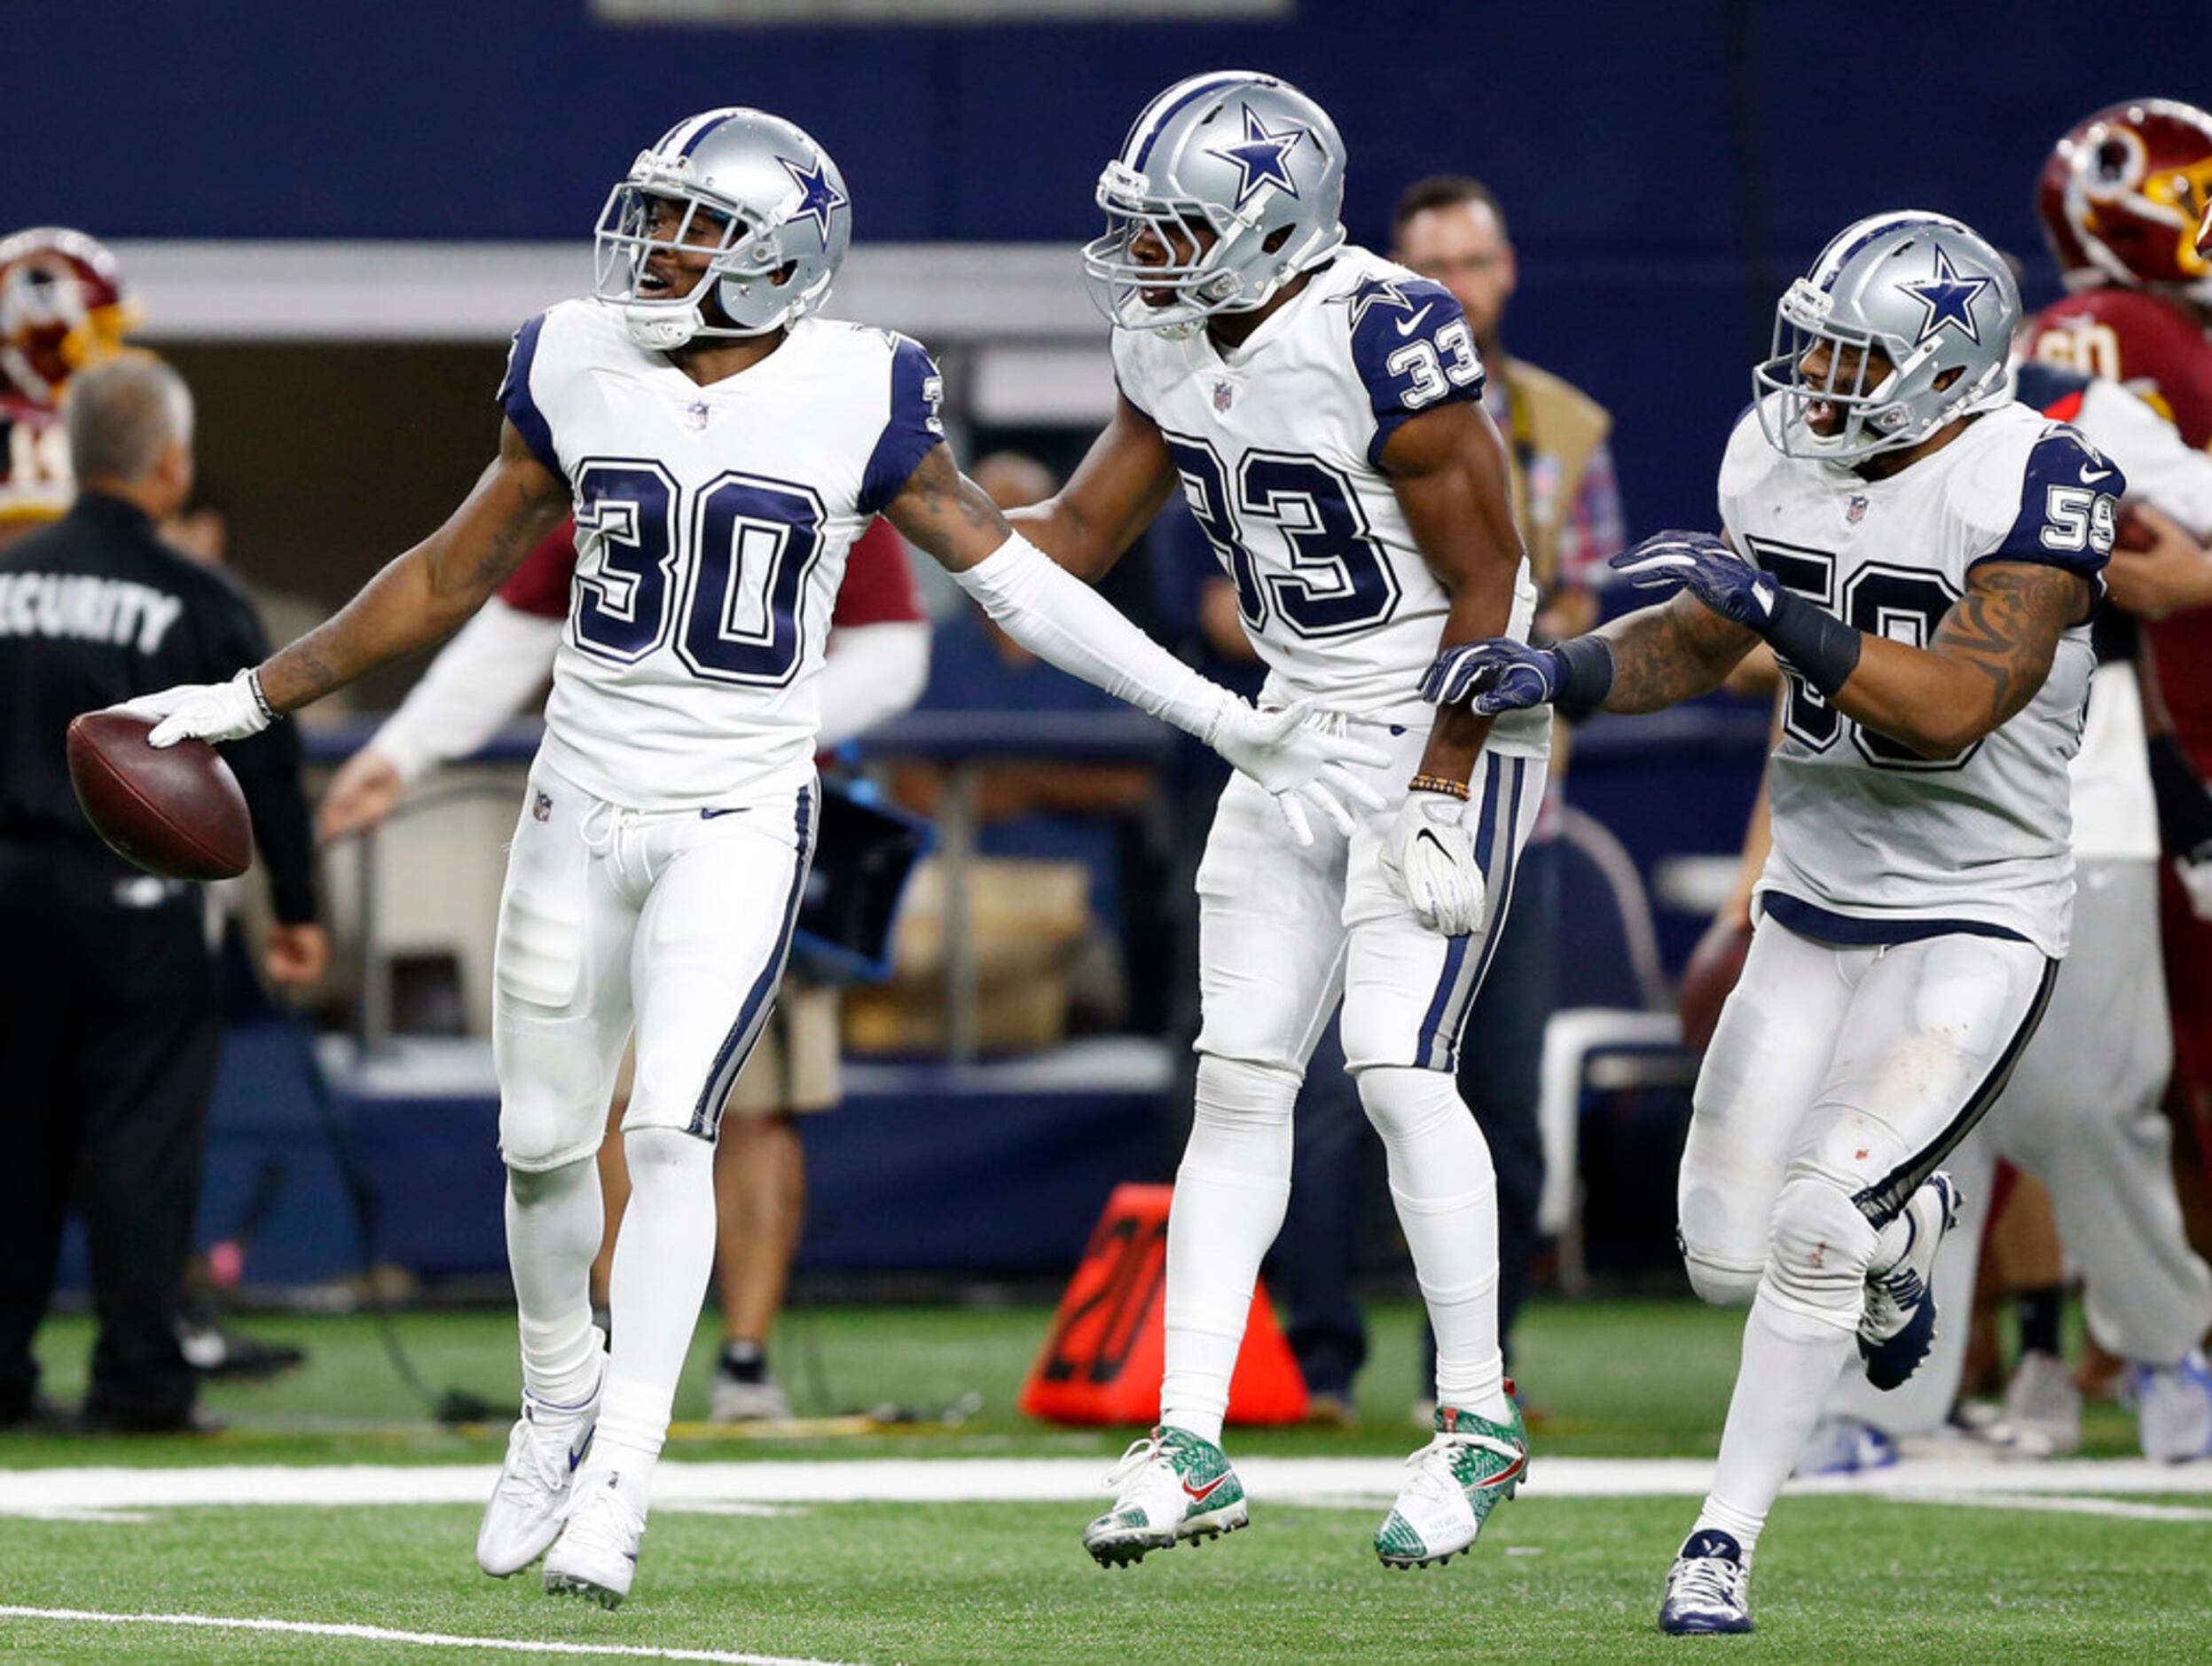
(1458, 1479)
(1170, 1487)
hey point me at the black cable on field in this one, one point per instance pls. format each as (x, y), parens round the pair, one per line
(453, 1406)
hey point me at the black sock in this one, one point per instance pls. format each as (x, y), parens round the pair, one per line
(2038, 1311)
(748, 1362)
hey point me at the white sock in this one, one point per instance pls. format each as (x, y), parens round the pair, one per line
(1230, 1194)
(1792, 1358)
(554, 1224)
(663, 1255)
(1446, 1193)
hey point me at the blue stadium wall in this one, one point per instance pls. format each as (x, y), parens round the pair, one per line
(1666, 168)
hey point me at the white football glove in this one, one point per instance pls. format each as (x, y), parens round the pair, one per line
(2194, 871)
(1298, 762)
(1431, 858)
(212, 711)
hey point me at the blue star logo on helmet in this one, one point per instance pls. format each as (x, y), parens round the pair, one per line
(1264, 157)
(822, 198)
(1950, 299)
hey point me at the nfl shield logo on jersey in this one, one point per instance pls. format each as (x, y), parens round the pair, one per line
(1856, 513)
(543, 809)
(1224, 394)
(695, 414)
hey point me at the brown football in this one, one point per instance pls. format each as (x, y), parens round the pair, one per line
(2134, 532)
(1715, 966)
(177, 812)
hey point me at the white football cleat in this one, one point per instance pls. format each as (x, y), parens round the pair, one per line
(1170, 1488)
(1898, 1327)
(597, 1556)
(2173, 1409)
(1708, 1588)
(531, 1498)
(1844, 1446)
(2041, 1414)
(730, 1399)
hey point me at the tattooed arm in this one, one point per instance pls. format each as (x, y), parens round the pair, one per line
(1989, 656)
(1675, 651)
(426, 594)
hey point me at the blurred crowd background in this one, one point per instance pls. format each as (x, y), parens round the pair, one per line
(333, 218)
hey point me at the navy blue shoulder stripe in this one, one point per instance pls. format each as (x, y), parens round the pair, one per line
(520, 404)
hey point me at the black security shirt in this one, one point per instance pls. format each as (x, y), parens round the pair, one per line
(96, 609)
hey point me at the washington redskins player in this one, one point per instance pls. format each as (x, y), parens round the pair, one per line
(63, 306)
(2126, 205)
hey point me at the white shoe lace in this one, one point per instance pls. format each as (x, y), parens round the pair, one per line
(602, 1520)
(536, 1467)
(1131, 1463)
(1711, 1581)
(1432, 1476)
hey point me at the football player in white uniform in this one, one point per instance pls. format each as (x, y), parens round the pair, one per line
(1318, 406)
(720, 448)
(1923, 555)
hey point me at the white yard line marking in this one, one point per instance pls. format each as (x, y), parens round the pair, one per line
(2125, 1509)
(419, 1639)
(1319, 1481)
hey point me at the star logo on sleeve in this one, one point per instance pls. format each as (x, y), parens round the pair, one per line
(1373, 292)
(1263, 158)
(1949, 299)
(819, 198)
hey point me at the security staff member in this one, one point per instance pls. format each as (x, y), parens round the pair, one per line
(109, 1026)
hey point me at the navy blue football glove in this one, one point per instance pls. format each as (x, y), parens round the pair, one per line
(1498, 674)
(1715, 574)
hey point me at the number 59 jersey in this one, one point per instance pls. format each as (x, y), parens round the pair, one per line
(711, 526)
(1872, 842)
(1279, 446)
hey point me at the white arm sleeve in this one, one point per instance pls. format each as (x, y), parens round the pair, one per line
(482, 678)
(1064, 622)
(2162, 469)
(872, 673)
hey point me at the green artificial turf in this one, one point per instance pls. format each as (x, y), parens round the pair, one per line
(1561, 1580)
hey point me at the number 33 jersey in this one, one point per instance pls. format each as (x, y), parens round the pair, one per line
(1279, 446)
(711, 527)
(1885, 844)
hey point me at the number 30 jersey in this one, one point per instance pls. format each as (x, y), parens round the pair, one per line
(1279, 446)
(1873, 843)
(712, 524)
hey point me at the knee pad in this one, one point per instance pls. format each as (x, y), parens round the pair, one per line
(1405, 1104)
(1723, 1282)
(1238, 1095)
(554, 1085)
(1820, 1247)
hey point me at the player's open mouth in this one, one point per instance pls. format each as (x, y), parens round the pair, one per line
(654, 283)
(1821, 415)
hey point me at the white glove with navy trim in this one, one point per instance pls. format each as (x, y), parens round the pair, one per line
(1431, 859)
(213, 712)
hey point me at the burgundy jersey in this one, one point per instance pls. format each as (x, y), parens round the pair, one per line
(36, 483)
(878, 587)
(2153, 349)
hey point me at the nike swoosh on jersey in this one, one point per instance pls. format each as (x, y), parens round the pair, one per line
(1409, 326)
(709, 815)
(2089, 477)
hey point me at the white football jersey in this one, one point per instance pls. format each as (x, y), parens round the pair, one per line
(1278, 444)
(1878, 843)
(711, 527)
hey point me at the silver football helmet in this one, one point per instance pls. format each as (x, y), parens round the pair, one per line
(751, 187)
(1237, 178)
(1925, 292)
